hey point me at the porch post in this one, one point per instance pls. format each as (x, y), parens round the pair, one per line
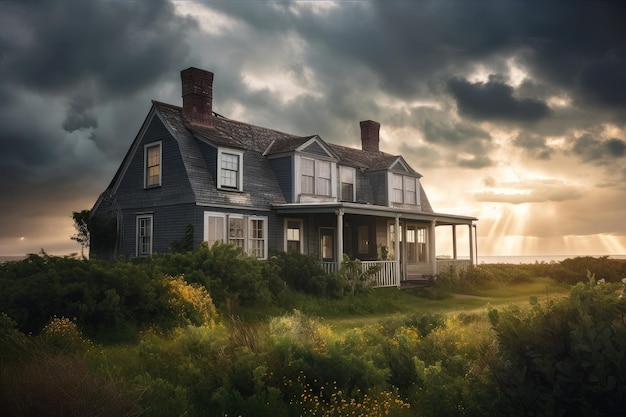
(396, 244)
(339, 214)
(476, 244)
(454, 241)
(471, 243)
(433, 246)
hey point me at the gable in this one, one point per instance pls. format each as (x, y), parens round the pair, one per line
(316, 146)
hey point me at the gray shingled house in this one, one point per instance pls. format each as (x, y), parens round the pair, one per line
(193, 174)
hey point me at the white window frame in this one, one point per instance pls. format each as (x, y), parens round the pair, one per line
(220, 178)
(146, 165)
(301, 237)
(138, 235)
(250, 237)
(404, 192)
(317, 179)
(247, 226)
(352, 173)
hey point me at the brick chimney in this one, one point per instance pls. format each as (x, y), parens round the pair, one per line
(370, 135)
(197, 87)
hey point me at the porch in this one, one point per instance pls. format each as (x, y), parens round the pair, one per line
(389, 273)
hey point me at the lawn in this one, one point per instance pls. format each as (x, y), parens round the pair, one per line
(383, 304)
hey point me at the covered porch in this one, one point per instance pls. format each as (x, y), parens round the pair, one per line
(400, 243)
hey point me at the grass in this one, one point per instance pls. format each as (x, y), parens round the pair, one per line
(393, 303)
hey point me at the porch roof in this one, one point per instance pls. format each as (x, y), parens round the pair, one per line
(371, 210)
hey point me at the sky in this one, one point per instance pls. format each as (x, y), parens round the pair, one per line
(513, 111)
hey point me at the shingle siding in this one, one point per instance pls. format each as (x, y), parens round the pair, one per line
(378, 184)
(283, 172)
(175, 187)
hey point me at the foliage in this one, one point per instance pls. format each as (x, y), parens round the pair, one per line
(186, 243)
(356, 278)
(190, 303)
(566, 357)
(81, 220)
(304, 273)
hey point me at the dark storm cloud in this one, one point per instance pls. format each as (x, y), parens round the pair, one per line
(495, 101)
(69, 74)
(119, 47)
(80, 114)
(534, 145)
(590, 149)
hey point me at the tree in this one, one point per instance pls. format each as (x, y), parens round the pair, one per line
(81, 219)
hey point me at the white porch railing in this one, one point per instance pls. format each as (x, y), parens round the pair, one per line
(387, 276)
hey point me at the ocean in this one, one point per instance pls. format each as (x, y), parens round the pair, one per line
(531, 259)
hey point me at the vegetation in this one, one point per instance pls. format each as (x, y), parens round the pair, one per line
(213, 332)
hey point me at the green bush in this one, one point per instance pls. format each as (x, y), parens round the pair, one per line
(305, 273)
(564, 358)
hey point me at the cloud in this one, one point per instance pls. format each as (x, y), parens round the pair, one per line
(494, 100)
(534, 145)
(528, 191)
(590, 149)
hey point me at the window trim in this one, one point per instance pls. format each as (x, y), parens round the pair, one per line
(220, 179)
(247, 221)
(340, 181)
(138, 243)
(146, 177)
(286, 229)
(317, 178)
(405, 179)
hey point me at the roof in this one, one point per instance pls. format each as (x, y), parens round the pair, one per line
(256, 142)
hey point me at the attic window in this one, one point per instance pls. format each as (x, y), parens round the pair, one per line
(315, 177)
(229, 170)
(152, 158)
(404, 189)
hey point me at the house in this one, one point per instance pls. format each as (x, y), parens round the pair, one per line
(193, 174)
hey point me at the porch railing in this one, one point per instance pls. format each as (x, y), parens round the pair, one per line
(387, 276)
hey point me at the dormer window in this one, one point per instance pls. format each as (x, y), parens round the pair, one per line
(152, 166)
(230, 170)
(404, 189)
(315, 177)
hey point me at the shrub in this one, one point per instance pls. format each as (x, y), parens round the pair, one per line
(305, 273)
(190, 304)
(564, 358)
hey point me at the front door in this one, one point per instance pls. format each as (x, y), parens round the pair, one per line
(327, 244)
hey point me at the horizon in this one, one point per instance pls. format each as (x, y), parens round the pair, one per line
(521, 125)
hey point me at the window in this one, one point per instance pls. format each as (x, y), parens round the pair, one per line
(152, 158)
(257, 238)
(315, 177)
(214, 230)
(229, 170)
(323, 178)
(235, 231)
(246, 232)
(404, 189)
(346, 180)
(293, 236)
(144, 235)
(308, 176)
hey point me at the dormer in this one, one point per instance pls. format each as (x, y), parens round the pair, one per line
(306, 169)
(403, 185)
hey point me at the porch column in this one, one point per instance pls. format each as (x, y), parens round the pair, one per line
(433, 246)
(396, 244)
(339, 214)
(475, 245)
(471, 243)
(454, 241)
